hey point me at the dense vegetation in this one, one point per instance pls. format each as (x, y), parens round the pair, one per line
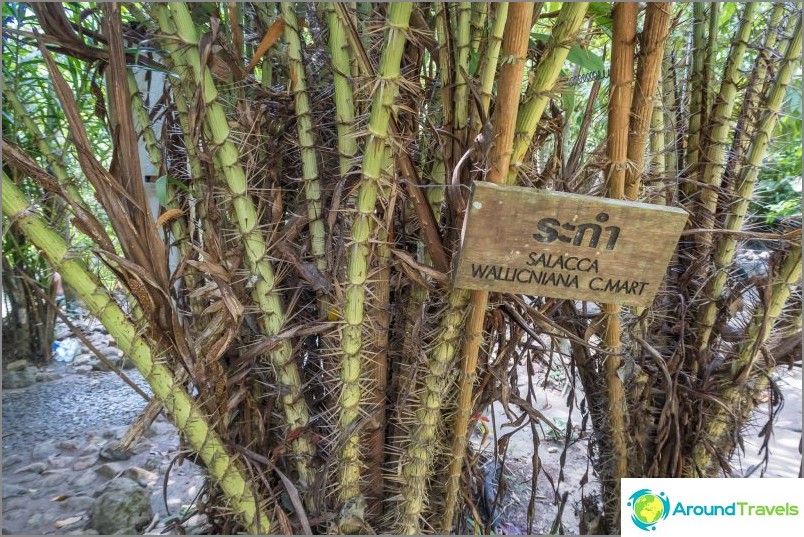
(280, 188)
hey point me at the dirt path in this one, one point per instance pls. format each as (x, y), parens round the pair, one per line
(58, 454)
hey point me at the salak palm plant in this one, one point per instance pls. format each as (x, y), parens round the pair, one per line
(282, 195)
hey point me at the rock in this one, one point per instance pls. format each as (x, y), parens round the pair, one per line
(47, 376)
(152, 463)
(59, 461)
(63, 332)
(195, 521)
(10, 490)
(100, 366)
(85, 462)
(43, 450)
(123, 507)
(83, 369)
(141, 476)
(67, 522)
(84, 480)
(111, 352)
(17, 365)
(84, 359)
(11, 460)
(142, 446)
(110, 470)
(112, 452)
(54, 479)
(161, 427)
(78, 503)
(37, 467)
(35, 519)
(552, 449)
(91, 449)
(127, 363)
(28, 477)
(13, 380)
(68, 445)
(115, 433)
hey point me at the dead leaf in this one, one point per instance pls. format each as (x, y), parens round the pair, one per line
(67, 521)
(268, 40)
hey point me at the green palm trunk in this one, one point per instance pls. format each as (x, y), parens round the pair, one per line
(266, 296)
(352, 345)
(715, 160)
(492, 55)
(719, 426)
(304, 126)
(545, 76)
(697, 101)
(344, 98)
(727, 245)
(191, 421)
(463, 38)
(142, 122)
(420, 452)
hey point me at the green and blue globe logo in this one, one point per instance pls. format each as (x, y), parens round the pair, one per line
(648, 508)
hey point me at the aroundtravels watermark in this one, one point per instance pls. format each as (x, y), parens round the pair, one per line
(673, 505)
(649, 508)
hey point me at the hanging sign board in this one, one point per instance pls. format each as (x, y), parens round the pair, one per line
(552, 244)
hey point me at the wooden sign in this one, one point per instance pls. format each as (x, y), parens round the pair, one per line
(534, 242)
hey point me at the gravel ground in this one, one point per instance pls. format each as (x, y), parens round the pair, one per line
(69, 407)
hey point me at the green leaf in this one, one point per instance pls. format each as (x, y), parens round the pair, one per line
(474, 61)
(161, 190)
(586, 59)
(601, 14)
(577, 55)
(568, 99)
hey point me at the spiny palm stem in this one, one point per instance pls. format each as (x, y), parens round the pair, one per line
(670, 108)
(697, 101)
(377, 370)
(654, 35)
(715, 157)
(461, 92)
(142, 122)
(344, 99)
(352, 345)
(545, 76)
(750, 112)
(191, 421)
(265, 293)
(304, 126)
(514, 46)
(420, 451)
(757, 333)
(709, 61)
(480, 12)
(444, 148)
(658, 148)
(622, 76)
(492, 55)
(727, 244)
